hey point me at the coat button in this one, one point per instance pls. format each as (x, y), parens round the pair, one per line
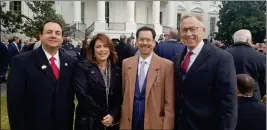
(180, 111)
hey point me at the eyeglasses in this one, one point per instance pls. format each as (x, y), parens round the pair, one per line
(191, 29)
(145, 39)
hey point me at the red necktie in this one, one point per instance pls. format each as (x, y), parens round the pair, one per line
(186, 61)
(54, 67)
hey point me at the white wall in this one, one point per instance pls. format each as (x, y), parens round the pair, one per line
(90, 12)
(117, 11)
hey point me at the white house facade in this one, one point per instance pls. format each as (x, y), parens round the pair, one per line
(125, 17)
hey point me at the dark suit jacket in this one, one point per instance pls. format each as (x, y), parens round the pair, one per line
(35, 99)
(251, 114)
(12, 51)
(169, 49)
(3, 54)
(91, 94)
(124, 51)
(251, 62)
(206, 96)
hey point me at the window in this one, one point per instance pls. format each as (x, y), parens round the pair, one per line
(160, 17)
(15, 7)
(82, 12)
(107, 12)
(178, 19)
(212, 26)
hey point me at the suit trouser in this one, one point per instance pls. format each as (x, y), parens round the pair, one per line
(3, 69)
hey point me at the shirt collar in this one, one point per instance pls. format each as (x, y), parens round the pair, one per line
(148, 59)
(48, 56)
(198, 48)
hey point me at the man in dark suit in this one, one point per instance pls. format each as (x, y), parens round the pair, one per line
(251, 112)
(4, 60)
(171, 47)
(249, 61)
(13, 49)
(39, 89)
(205, 82)
(124, 50)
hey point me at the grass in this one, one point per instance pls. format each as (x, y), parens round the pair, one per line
(4, 117)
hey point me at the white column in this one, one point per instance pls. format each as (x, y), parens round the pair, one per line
(130, 18)
(77, 11)
(100, 10)
(130, 11)
(100, 23)
(171, 16)
(156, 12)
(155, 17)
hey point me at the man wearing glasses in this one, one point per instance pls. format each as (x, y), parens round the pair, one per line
(205, 82)
(148, 87)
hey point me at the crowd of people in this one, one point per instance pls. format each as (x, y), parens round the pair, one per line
(181, 81)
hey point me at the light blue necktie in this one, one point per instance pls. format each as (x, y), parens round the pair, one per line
(142, 75)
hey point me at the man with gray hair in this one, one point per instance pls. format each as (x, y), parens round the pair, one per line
(171, 47)
(249, 61)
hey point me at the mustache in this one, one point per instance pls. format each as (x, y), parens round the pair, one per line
(144, 45)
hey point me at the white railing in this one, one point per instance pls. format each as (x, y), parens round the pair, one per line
(82, 27)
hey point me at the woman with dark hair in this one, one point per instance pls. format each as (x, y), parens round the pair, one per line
(98, 87)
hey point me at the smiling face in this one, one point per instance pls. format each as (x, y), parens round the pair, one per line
(145, 43)
(192, 32)
(51, 36)
(101, 50)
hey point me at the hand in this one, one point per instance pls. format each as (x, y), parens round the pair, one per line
(107, 120)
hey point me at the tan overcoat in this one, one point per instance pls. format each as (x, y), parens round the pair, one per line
(159, 99)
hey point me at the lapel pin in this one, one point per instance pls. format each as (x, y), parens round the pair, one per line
(66, 64)
(43, 67)
(92, 72)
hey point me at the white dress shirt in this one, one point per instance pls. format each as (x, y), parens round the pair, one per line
(148, 61)
(195, 51)
(56, 56)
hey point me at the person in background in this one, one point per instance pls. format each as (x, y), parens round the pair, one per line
(124, 50)
(39, 87)
(205, 82)
(171, 47)
(251, 112)
(4, 60)
(13, 49)
(79, 47)
(249, 61)
(98, 87)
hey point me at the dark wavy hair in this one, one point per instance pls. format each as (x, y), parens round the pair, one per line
(91, 51)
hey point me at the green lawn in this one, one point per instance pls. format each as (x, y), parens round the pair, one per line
(4, 118)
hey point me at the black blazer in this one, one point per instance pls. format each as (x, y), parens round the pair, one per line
(91, 94)
(124, 51)
(251, 114)
(4, 55)
(251, 62)
(12, 51)
(35, 99)
(206, 96)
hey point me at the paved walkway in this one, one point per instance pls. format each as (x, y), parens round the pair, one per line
(3, 89)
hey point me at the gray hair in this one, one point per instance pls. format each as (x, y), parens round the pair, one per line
(242, 35)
